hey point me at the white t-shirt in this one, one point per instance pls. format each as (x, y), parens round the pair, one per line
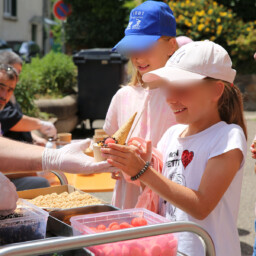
(185, 160)
(154, 118)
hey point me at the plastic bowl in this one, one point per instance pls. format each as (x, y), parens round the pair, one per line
(97, 153)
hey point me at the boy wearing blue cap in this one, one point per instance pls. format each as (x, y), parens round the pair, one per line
(149, 42)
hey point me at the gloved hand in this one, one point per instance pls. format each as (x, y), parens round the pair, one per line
(48, 129)
(8, 196)
(71, 158)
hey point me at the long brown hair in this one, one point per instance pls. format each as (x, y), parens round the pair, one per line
(136, 76)
(230, 105)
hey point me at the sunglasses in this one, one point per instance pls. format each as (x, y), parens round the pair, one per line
(11, 71)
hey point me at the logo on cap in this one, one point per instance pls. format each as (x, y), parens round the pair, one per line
(137, 25)
(129, 25)
(136, 15)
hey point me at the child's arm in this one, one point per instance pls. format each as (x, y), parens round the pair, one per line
(253, 149)
(217, 177)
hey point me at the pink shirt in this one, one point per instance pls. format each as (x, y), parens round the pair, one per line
(155, 117)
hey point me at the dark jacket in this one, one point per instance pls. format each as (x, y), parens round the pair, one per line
(9, 117)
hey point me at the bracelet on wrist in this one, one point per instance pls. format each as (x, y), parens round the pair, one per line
(138, 175)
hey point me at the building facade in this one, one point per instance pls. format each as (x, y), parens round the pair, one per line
(24, 20)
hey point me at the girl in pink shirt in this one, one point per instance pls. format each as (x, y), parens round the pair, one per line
(149, 41)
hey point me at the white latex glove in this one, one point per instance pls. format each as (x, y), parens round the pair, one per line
(8, 196)
(48, 129)
(71, 158)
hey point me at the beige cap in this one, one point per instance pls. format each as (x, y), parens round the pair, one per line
(195, 61)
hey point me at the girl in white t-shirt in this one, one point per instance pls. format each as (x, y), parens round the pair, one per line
(203, 155)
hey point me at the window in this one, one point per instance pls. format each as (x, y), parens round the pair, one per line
(10, 8)
(34, 32)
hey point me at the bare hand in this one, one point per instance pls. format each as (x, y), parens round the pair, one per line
(125, 158)
(146, 153)
(253, 151)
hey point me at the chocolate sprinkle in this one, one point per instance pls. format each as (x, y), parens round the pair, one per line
(11, 216)
(104, 144)
(19, 230)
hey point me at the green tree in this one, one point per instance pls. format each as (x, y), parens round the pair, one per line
(98, 23)
(53, 76)
(202, 20)
(245, 9)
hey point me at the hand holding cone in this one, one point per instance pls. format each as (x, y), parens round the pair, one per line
(120, 137)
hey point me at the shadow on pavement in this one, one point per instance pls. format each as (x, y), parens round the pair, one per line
(246, 249)
(243, 232)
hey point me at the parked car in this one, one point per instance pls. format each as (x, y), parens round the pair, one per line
(26, 50)
(4, 46)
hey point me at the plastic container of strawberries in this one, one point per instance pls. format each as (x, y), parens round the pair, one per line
(161, 245)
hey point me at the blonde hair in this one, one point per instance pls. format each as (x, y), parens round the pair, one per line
(230, 105)
(136, 76)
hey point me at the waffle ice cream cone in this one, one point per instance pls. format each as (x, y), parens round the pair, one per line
(123, 132)
(120, 137)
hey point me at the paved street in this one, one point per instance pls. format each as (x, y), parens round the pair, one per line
(248, 198)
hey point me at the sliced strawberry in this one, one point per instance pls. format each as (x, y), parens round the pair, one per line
(112, 224)
(101, 227)
(137, 222)
(142, 222)
(124, 225)
(115, 227)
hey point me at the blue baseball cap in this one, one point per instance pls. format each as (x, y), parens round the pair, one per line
(148, 22)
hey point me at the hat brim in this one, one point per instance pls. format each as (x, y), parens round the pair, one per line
(172, 75)
(134, 43)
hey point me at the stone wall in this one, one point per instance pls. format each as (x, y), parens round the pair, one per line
(64, 109)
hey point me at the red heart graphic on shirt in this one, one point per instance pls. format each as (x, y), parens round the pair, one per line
(187, 157)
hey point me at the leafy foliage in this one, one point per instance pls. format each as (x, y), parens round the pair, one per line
(202, 20)
(57, 74)
(243, 8)
(27, 87)
(52, 76)
(96, 23)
